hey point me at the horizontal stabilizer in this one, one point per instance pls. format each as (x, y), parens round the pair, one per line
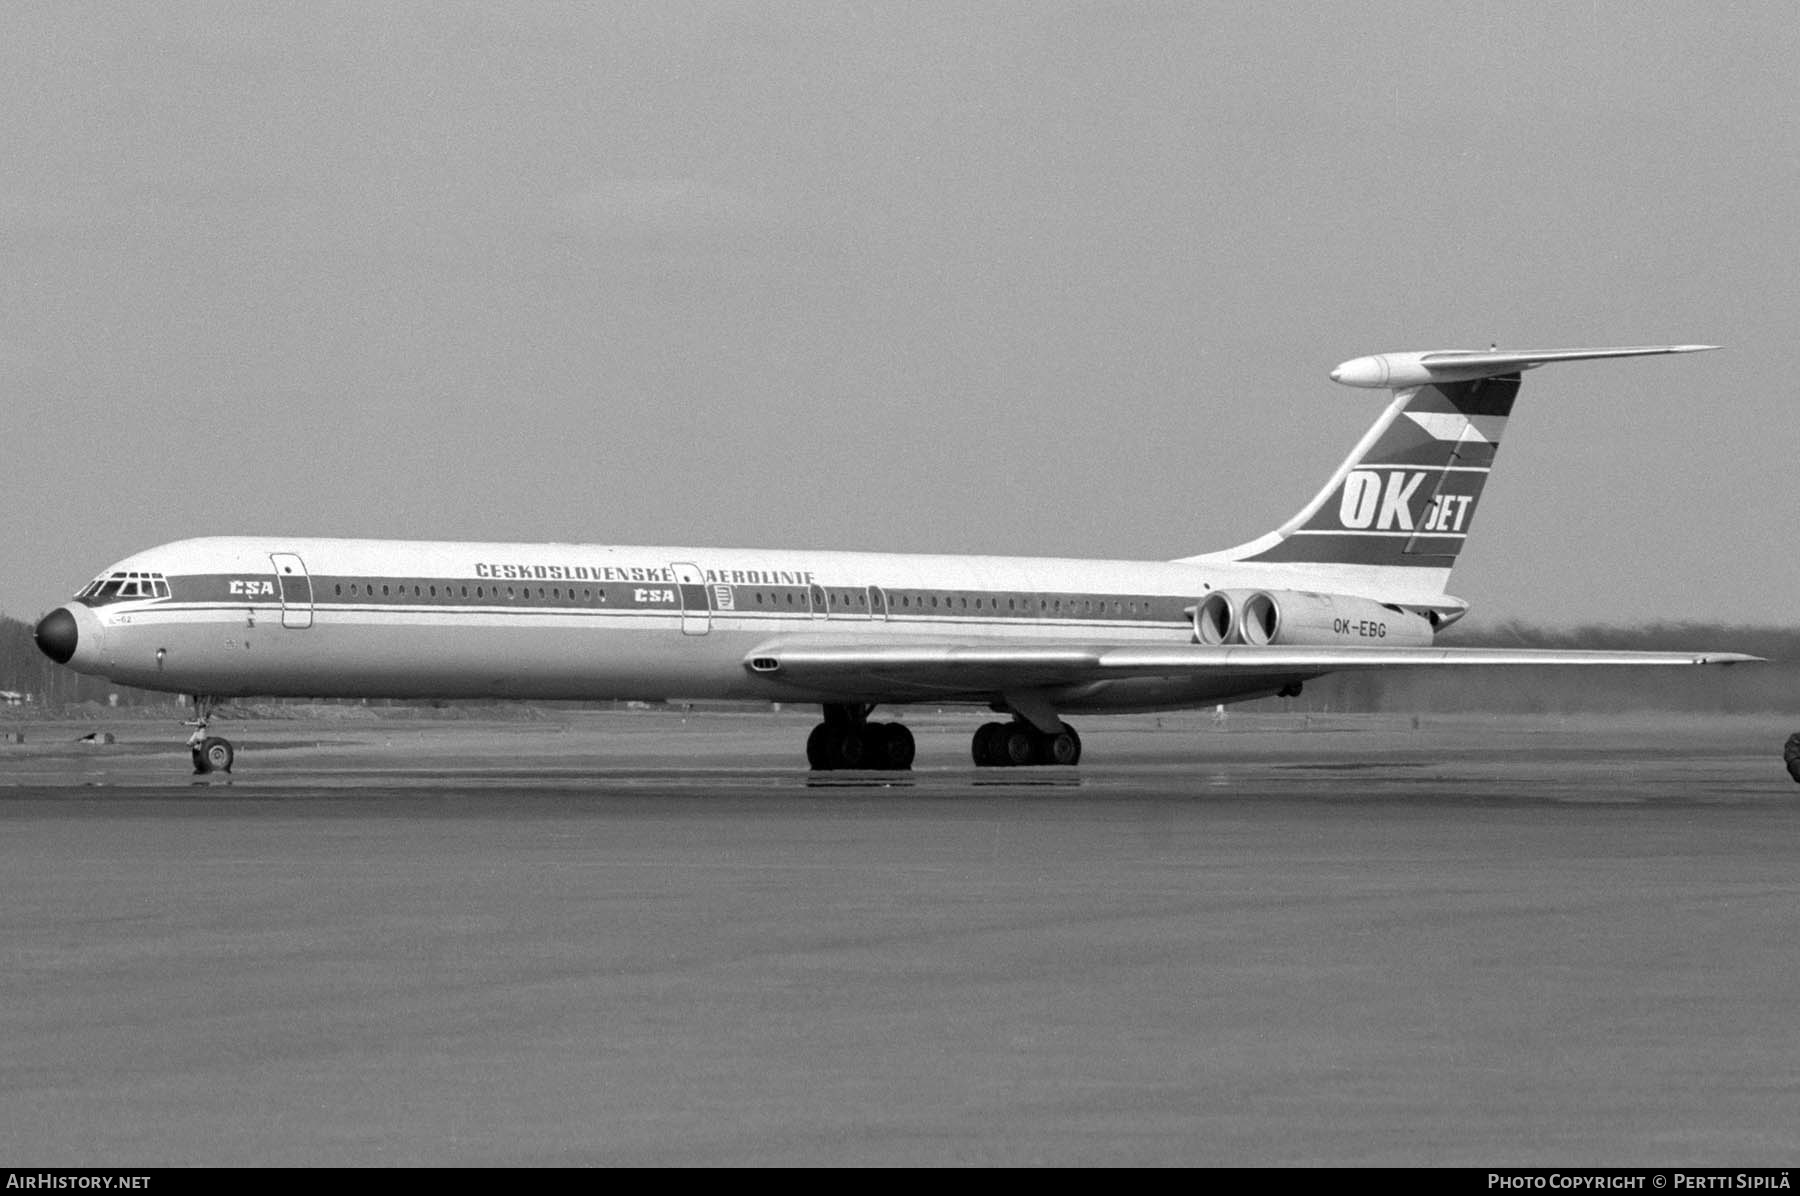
(1397, 370)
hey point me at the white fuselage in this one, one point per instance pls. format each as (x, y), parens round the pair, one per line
(245, 616)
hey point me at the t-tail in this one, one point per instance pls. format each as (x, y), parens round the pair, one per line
(1394, 516)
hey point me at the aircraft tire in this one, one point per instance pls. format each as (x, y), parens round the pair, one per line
(985, 746)
(895, 750)
(1019, 744)
(851, 747)
(875, 738)
(217, 754)
(818, 749)
(1063, 748)
(1791, 755)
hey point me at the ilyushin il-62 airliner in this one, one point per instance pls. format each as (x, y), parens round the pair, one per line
(1355, 580)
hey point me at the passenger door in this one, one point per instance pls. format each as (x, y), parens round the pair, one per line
(295, 587)
(696, 599)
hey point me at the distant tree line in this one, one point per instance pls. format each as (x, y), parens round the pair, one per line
(1773, 643)
(1531, 689)
(25, 670)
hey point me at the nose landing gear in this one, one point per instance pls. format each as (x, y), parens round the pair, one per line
(211, 753)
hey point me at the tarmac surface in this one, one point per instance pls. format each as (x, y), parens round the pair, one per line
(639, 938)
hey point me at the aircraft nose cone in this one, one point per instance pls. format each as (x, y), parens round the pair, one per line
(57, 636)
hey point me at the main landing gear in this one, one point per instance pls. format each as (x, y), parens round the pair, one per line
(1008, 745)
(1790, 755)
(847, 739)
(211, 753)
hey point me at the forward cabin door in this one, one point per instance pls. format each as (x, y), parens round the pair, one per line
(696, 601)
(295, 588)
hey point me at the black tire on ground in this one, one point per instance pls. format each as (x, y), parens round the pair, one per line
(851, 746)
(1791, 754)
(875, 739)
(818, 749)
(1019, 744)
(1064, 747)
(896, 750)
(983, 746)
(217, 754)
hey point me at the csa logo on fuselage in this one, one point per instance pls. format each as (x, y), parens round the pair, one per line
(252, 587)
(1371, 501)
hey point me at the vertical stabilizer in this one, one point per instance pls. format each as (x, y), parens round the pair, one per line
(1405, 498)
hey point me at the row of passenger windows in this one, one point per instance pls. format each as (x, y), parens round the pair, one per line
(424, 590)
(913, 600)
(837, 600)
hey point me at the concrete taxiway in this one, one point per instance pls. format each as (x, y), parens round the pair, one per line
(643, 938)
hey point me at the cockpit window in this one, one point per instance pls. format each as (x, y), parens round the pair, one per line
(123, 587)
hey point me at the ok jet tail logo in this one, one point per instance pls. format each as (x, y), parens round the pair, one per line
(1371, 501)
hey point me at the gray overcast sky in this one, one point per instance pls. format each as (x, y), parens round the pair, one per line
(1057, 278)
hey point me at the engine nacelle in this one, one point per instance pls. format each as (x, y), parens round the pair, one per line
(1298, 617)
(1215, 619)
